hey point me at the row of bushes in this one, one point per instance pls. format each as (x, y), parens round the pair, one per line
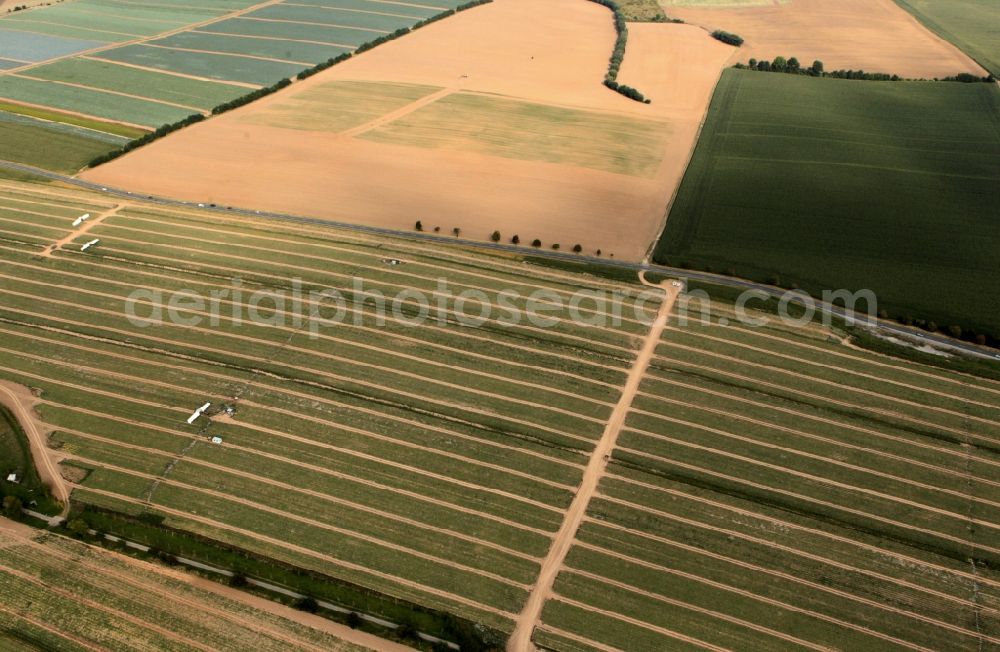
(793, 67)
(728, 37)
(274, 88)
(618, 56)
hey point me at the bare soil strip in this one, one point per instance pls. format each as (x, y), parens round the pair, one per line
(375, 541)
(710, 613)
(819, 458)
(376, 261)
(19, 400)
(904, 559)
(402, 338)
(416, 586)
(392, 116)
(669, 633)
(838, 369)
(520, 640)
(420, 399)
(260, 385)
(831, 505)
(803, 415)
(961, 602)
(346, 451)
(788, 372)
(292, 488)
(806, 435)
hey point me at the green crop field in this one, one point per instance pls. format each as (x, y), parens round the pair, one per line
(50, 145)
(830, 184)
(775, 489)
(972, 25)
(527, 131)
(59, 594)
(343, 446)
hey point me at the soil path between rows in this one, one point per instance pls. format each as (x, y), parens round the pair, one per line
(520, 640)
(19, 400)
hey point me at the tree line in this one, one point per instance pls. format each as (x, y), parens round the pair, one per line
(618, 55)
(255, 95)
(728, 37)
(792, 66)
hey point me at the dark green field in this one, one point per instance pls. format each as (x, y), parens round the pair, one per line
(828, 183)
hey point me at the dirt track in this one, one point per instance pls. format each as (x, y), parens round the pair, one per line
(21, 402)
(520, 639)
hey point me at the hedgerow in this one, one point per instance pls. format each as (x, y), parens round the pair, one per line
(618, 55)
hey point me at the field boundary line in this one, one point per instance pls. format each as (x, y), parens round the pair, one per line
(870, 357)
(78, 114)
(319, 444)
(272, 388)
(821, 381)
(355, 11)
(225, 54)
(410, 584)
(805, 415)
(313, 24)
(803, 476)
(521, 638)
(402, 112)
(273, 38)
(809, 499)
(143, 98)
(718, 615)
(88, 261)
(663, 631)
(776, 521)
(796, 393)
(756, 567)
(388, 516)
(845, 370)
(481, 411)
(305, 520)
(826, 440)
(328, 273)
(813, 456)
(34, 201)
(364, 254)
(172, 73)
(576, 638)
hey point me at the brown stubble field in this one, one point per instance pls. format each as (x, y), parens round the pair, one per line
(872, 35)
(549, 56)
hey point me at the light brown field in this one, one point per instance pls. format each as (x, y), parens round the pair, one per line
(873, 35)
(552, 54)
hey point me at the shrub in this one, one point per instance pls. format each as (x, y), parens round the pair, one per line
(307, 604)
(353, 620)
(727, 37)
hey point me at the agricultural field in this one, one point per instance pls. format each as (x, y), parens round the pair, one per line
(774, 489)
(874, 178)
(971, 25)
(60, 594)
(147, 64)
(343, 445)
(871, 35)
(495, 119)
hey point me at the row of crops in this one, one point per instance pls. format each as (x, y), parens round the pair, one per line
(149, 64)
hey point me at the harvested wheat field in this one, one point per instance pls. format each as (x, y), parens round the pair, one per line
(872, 35)
(495, 119)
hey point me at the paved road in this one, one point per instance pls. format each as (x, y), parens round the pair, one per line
(885, 327)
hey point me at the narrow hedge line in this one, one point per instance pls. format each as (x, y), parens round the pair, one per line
(611, 79)
(727, 37)
(243, 100)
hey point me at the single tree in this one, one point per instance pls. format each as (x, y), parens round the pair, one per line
(12, 507)
(419, 226)
(307, 604)
(536, 243)
(457, 231)
(353, 620)
(516, 240)
(495, 237)
(598, 252)
(577, 248)
(555, 246)
(238, 580)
